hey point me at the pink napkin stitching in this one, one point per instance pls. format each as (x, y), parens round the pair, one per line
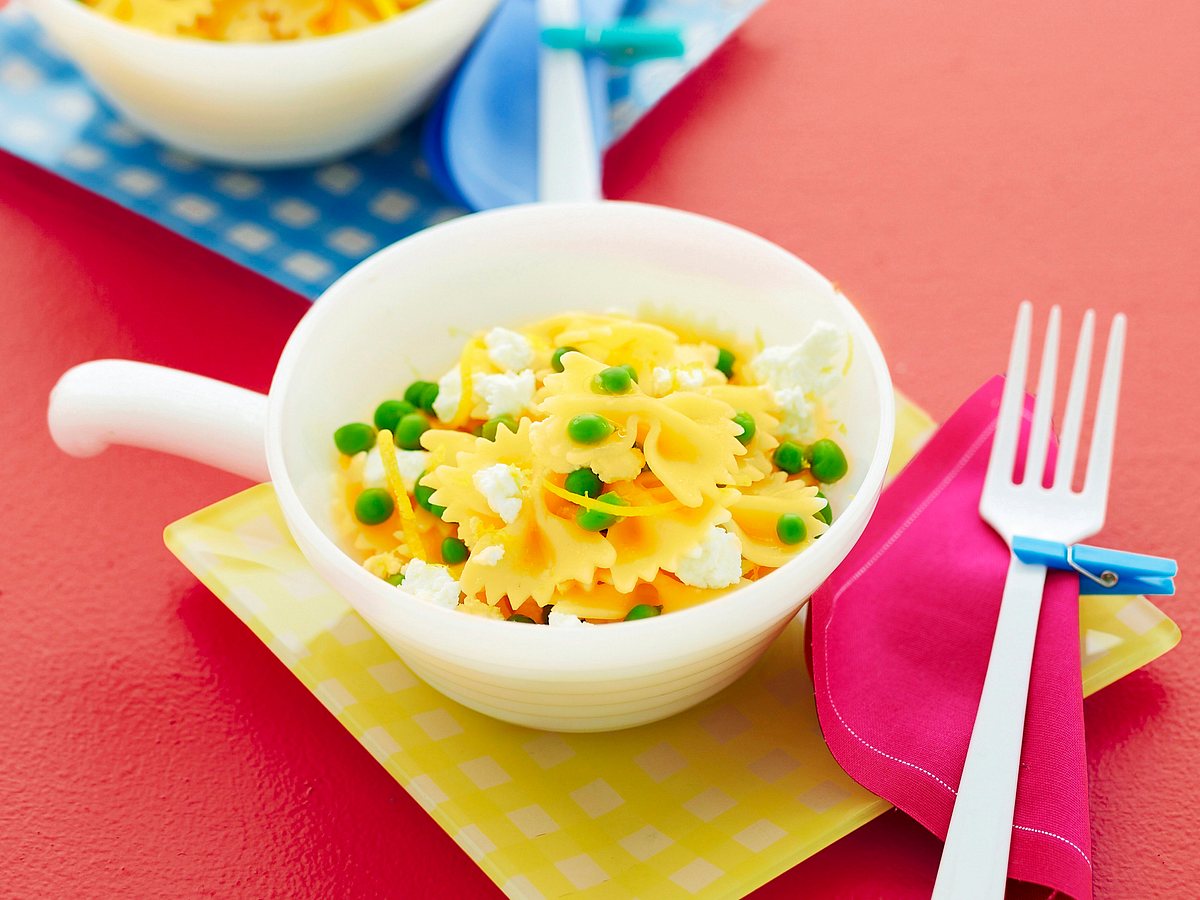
(978, 442)
(887, 545)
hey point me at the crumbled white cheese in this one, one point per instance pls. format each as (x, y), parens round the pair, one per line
(507, 393)
(661, 381)
(798, 373)
(815, 364)
(410, 462)
(488, 556)
(797, 419)
(558, 619)
(449, 395)
(499, 487)
(689, 379)
(826, 348)
(373, 474)
(713, 563)
(686, 378)
(508, 349)
(431, 583)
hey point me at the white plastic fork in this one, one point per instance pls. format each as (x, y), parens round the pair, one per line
(975, 859)
(568, 169)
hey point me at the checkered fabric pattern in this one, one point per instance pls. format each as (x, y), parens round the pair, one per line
(712, 802)
(300, 227)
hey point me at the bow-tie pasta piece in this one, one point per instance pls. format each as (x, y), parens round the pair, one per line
(691, 444)
(759, 403)
(519, 548)
(249, 20)
(542, 549)
(756, 519)
(688, 440)
(615, 340)
(617, 458)
(180, 17)
(646, 545)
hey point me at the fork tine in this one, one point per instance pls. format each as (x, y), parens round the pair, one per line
(1095, 485)
(1039, 435)
(1064, 470)
(1012, 401)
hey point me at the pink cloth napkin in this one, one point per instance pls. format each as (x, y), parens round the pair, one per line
(900, 640)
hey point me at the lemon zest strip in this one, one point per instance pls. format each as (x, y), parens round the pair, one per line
(467, 397)
(654, 509)
(408, 518)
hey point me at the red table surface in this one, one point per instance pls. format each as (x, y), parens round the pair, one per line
(939, 162)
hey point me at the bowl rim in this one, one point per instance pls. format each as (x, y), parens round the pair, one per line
(85, 13)
(310, 535)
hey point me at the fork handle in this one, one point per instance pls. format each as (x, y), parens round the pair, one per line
(975, 859)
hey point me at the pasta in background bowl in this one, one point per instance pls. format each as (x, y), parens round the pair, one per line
(405, 312)
(272, 103)
(251, 20)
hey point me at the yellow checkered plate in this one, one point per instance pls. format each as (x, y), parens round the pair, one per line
(712, 802)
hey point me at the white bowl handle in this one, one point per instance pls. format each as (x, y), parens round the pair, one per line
(115, 401)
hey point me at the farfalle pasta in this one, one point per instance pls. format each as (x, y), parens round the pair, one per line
(250, 20)
(587, 469)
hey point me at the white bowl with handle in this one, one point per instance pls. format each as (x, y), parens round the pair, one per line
(404, 313)
(268, 104)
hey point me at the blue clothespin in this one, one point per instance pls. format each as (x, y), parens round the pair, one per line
(1101, 571)
(623, 43)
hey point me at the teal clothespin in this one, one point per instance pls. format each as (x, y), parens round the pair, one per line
(621, 43)
(1102, 571)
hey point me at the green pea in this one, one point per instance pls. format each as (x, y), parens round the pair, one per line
(389, 412)
(596, 520)
(354, 438)
(412, 393)
(746, 420)
(374, 505)
(632, 372)
(556, 359)
(396, 580)
(589, 428)
(725, 360)
(789, 456)
(613, 380)
(422, 493)
(791, 528)
(585, 482)
(643, 611)
(518, 617)
(429, 394)
(827, 461)
(491, 426)
(825, 514)
(454, 551)
(409, 431)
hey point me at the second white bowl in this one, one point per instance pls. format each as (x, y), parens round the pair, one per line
(268, 104)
